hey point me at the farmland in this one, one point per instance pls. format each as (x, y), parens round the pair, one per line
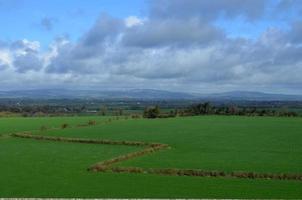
(45, 168)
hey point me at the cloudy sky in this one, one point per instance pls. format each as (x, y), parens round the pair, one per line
(179, 45)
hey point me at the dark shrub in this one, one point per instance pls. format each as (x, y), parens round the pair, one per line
(43, 128)
(63, 126)
(91, 122)
(135, 116)
(152, 112)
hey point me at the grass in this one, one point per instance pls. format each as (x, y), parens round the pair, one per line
(213, 143)
(11, 125)
(32, 168)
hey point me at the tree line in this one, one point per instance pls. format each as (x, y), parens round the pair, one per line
(207, 109)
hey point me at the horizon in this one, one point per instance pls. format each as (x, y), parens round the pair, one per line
(157, 90)
(182, 45)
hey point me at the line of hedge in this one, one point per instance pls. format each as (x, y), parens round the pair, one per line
(4, 136)
(203, 173)
(151, 148)
(105, 165)
(80, 140)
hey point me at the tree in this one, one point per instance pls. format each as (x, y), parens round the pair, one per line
(206, 108)
(151, 112)
(201, 109)
(103, 110)
(120, 112)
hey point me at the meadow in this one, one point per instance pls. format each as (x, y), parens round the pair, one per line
(44, 168)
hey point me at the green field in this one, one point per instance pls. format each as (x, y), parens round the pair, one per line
(32, 168)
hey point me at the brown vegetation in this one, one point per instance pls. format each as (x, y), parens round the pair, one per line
(63, 126)
(91, 122)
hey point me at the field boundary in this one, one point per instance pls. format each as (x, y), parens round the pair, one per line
(149, 148)
(4, 136)
(81, 140)
(204, 173)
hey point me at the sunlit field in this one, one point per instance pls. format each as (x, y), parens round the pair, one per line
(41, 168)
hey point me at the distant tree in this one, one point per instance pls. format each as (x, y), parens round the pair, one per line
(120, 111)
(232, 110)
(176, 113)
(151, 112)
(63, 126)
(83, 108)
(200, 109)
(91, 122)
(206, 108)
(103, 110)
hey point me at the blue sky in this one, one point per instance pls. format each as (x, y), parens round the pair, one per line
(21, 18)
(192, 45)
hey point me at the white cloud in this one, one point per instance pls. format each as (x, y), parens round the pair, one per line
(5, 57)
(133, 21)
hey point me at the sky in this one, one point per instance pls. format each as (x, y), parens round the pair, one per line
(178, 45)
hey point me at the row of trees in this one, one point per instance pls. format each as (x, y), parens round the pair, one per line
(45, 110)
(207, 109)
(41, 109)
(149, 112)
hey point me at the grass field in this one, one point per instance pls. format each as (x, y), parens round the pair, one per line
(32, 168)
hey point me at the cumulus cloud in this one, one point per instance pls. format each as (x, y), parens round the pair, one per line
(88, 54)
(295, 34)
(5, 59)
(133, 21)
(105, 29)
(21, 56)
(178, 45)
(171, 32)
(26, 56)
(24, 63)
(207, 10)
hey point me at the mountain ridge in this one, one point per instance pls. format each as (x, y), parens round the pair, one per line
(149, 94)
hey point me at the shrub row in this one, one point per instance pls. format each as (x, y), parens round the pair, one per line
(136, 170)
(202, 173)
(94, 123)
(101, 166)
(186, 172)
(153, 147)
(80, 140)
(253, 175)
(89, 123)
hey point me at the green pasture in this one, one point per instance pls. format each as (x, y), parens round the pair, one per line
(31, 168)
(11, 125)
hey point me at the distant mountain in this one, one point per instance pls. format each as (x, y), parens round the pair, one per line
(147, 94)
(115, 94)
(253, 96)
